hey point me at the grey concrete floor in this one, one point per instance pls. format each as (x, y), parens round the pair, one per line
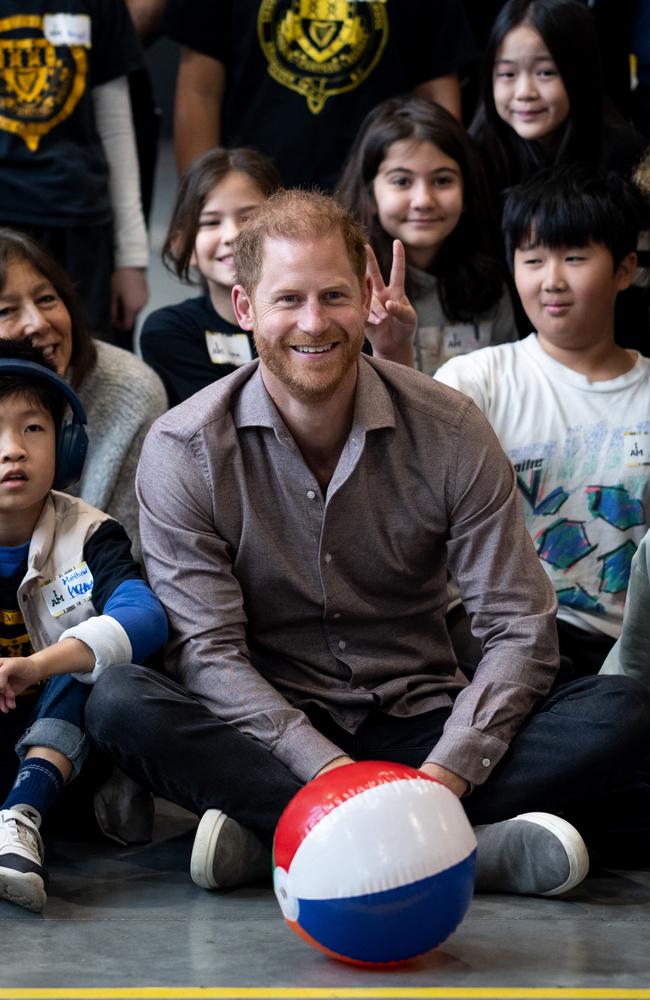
(121, 918)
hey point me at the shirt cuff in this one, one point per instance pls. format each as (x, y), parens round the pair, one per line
(305, 751)
(108, 641)
(468, 753)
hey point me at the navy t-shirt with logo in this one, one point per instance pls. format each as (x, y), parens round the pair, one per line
(301, 75)
(52, 53)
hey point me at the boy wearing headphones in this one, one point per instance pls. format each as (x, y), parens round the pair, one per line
(72, 603)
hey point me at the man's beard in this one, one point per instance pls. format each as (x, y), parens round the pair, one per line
(306, 386)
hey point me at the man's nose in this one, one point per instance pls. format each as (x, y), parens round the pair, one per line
(313, 318)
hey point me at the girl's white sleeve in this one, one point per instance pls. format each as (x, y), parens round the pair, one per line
(114, 123)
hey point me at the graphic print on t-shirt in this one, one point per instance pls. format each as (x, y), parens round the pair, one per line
(43, 72)
(320, 48)
(585, 512)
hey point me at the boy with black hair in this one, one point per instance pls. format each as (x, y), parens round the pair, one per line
(72, 604)
(570, 407)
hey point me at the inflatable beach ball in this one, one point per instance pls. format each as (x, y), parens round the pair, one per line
(374, 863)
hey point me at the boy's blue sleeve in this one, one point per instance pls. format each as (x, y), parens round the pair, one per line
(135, 606)
(120, 591)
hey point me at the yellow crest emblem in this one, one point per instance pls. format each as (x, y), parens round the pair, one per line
(41, 81)
(320, 48)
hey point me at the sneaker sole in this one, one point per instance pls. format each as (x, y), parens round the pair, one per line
(204, 847)
(574, 846)
(24, 888)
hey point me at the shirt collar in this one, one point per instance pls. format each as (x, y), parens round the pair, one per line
(373, 406)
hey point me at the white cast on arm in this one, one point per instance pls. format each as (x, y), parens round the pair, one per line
(108, 641)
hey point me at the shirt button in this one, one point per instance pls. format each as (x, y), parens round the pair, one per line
(342, 644)
(337, 614)
(311, 494)
(328, 557)
(486, 762)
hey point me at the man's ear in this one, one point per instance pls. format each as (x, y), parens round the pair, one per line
(626, 271)
(243, 306)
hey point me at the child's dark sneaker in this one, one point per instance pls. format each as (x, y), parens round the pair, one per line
(23, 879)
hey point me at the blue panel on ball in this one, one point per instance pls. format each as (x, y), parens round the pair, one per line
(394, 925)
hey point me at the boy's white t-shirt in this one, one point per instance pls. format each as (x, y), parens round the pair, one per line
(581, 451)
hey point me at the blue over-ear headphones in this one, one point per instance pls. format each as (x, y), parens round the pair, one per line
(71, 440)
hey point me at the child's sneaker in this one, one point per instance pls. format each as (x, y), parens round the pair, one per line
(23, 879)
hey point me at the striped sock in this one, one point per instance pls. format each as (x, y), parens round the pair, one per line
(38, 784)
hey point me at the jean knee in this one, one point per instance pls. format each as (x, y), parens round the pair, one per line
(113, 705)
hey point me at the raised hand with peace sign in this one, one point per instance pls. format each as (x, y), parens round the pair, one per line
(392, 320)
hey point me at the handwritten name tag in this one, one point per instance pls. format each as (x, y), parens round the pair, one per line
(637, 448)
(67, 29)
(70, 589)
(228, 348)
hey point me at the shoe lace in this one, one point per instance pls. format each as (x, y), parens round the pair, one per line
(21, 834)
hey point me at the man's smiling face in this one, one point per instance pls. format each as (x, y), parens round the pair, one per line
(308, 315)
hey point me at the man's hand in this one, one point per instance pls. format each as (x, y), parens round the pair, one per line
(337, 762)
(390, 327)
(17, 673)
(129, 294)
(454, 782)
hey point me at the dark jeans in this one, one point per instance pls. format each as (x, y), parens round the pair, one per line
(574, 753)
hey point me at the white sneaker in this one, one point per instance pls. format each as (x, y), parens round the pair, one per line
(534, 854)
(226, 854)
(23, 879)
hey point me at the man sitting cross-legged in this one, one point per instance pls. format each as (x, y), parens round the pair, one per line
(298, 521)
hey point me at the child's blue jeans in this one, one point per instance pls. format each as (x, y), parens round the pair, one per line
(56, 721)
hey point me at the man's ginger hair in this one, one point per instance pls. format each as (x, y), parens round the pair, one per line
(301, 216)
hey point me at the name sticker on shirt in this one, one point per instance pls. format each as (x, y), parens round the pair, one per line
(228, 348)
(67, 29)
(637, 448)
(70, 589)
